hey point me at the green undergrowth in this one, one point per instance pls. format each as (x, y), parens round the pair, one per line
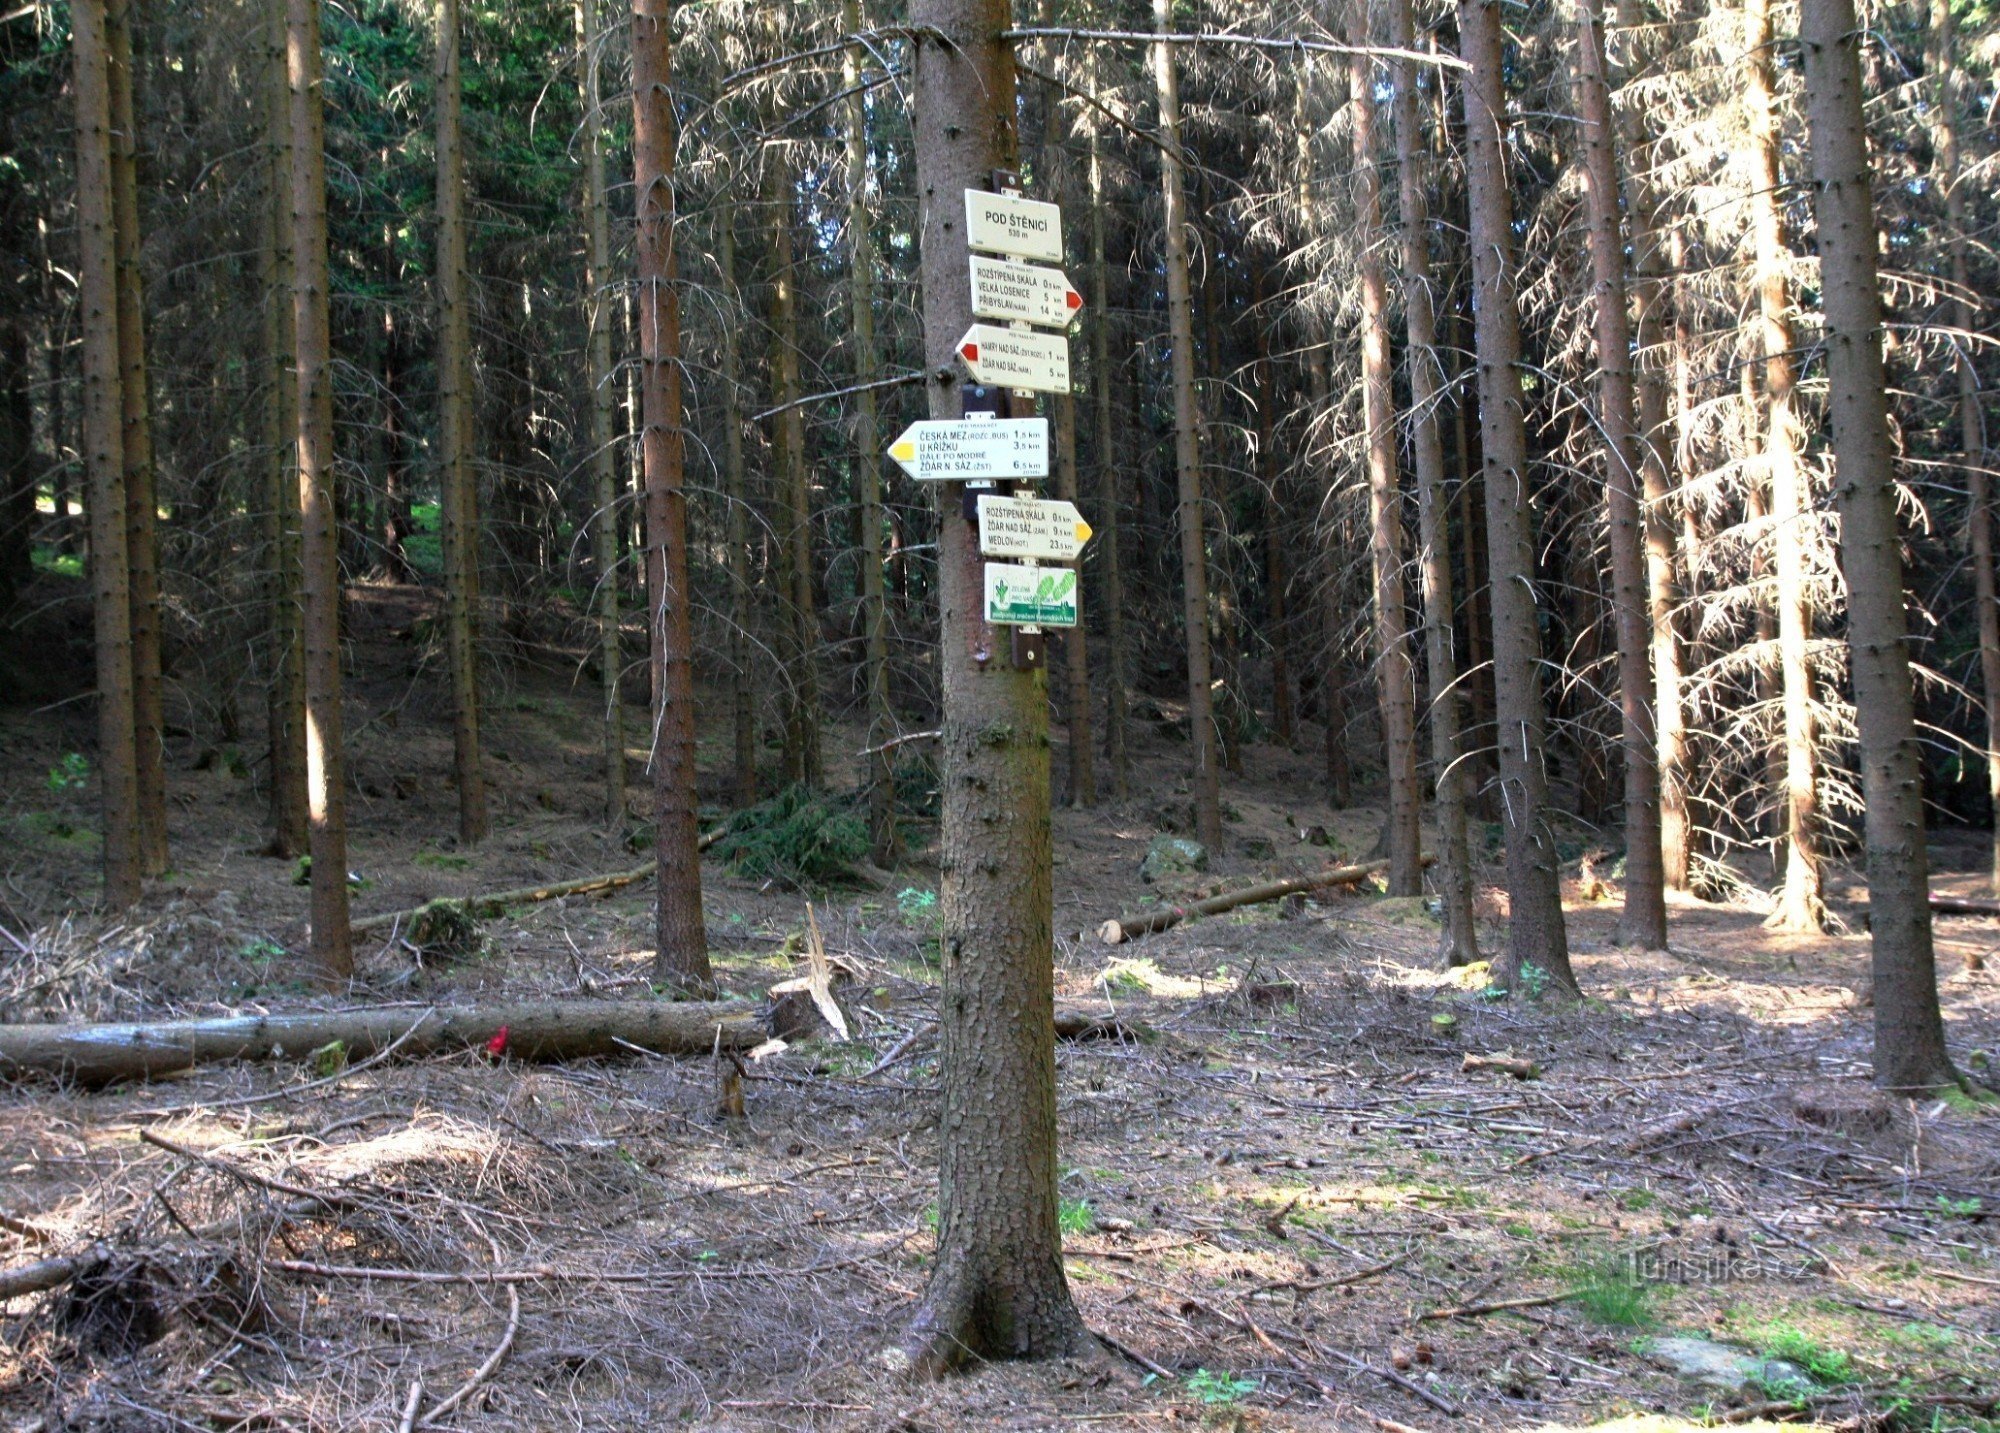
(801, 836)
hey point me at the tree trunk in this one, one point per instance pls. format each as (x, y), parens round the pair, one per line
(1644, 923)
(681, 961)
(997, 1288)
(788, 466)
(332, 954)
(1943, 66)
(103, 457)
(1798, 906)
(1536, 937)
(1109, 570)
(598, 298)
(1076, 655)
(1653, 294)
(884, 843)
(1205, 780)
(743, 684)
(1909, 1030)
(285, 705)
(1395, 678)
(457, 485)
(141, 542)
(1454, 866)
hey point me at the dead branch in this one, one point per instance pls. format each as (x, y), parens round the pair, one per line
(1257, 42)
(95, 1055)
(1129, 927)
(1073, 1023)
(45, 1274)
(1963, 905)
(1506, 1064)
(495, 903)
(1498, 1306)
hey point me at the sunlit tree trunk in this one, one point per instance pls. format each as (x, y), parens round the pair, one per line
(457, 485)
(1645, 918)
(1205, 779)
(319, 537)
(135, 402)
(1109, 572)
(743, 659)
(1798, 906)
(1537, 940)
(285, 704)
(1454, 857)
(996, 1288)
(883, 841)
(1909, 1029)
(680, 961)
(598, 299)
(794, 484)
(1943, 66)
(104, 455)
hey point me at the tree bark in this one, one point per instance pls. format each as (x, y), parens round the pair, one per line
(142, 553)
(598, 298)
(736, 524)
(1205, 779)
(1536, 937)
(332, 955)
(884, 843)
(1454, 865)
(1644, 922)
(1395, 676)
(997, 1288)
(788, 466)
(1909, 1030)
(1076, 651)
(681, 961)
(1108, 564)
(457, 484)
(103, 456)
(285, 704)
(1943, 66)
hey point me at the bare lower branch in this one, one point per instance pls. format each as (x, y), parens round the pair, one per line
(1258, 42)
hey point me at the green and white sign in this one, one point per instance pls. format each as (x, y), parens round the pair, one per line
(1030, 596)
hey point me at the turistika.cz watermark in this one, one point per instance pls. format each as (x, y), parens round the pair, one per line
(1722, 1266)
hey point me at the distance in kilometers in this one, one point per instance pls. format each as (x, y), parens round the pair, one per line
(1043, 529)
(1009, 224)
(1030, 596)
(1005, 290)
(963, 449)
(1016, 358)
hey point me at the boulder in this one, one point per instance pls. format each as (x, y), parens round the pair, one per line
(1172, 856)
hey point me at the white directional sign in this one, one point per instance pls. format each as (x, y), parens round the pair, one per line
(1042, 529)
(1030, 596)
(939, 451)
(1008, 224)
(1016, 358)
(1003, 289)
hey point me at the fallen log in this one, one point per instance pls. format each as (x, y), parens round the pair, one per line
(1130, 927)
(495, 903)
(46, 1274)
(530, 1030)
(1964, 906)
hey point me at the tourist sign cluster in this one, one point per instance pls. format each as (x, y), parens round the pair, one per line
(1005, 290)
(974, 449)
(1035, 528)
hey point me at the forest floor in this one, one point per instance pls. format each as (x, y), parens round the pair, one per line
(1290, 1208)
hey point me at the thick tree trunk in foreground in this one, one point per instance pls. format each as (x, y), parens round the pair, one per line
(1109, 573)
(1909, 1030)
(1644, 922)
(597, 300)
(1205, 780)
(535, 1030)
(142, 554)
(1798, 906)
(1536, 937)
(885, 846)
(681, 961)
(1454, 865)
(457, 485)
(326, 765)
(997, 1288)
(103, 457)
(1395, 677)
(1943, 66)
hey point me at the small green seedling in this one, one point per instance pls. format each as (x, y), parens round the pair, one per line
(1075, 1216)
(1220, 1390)
(72, 773)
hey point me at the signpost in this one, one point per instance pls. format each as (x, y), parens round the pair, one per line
(1038, 529)
(1005, 290)
(1008, 224)
(1030, 596)
(1016, 358)
(974, 449)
